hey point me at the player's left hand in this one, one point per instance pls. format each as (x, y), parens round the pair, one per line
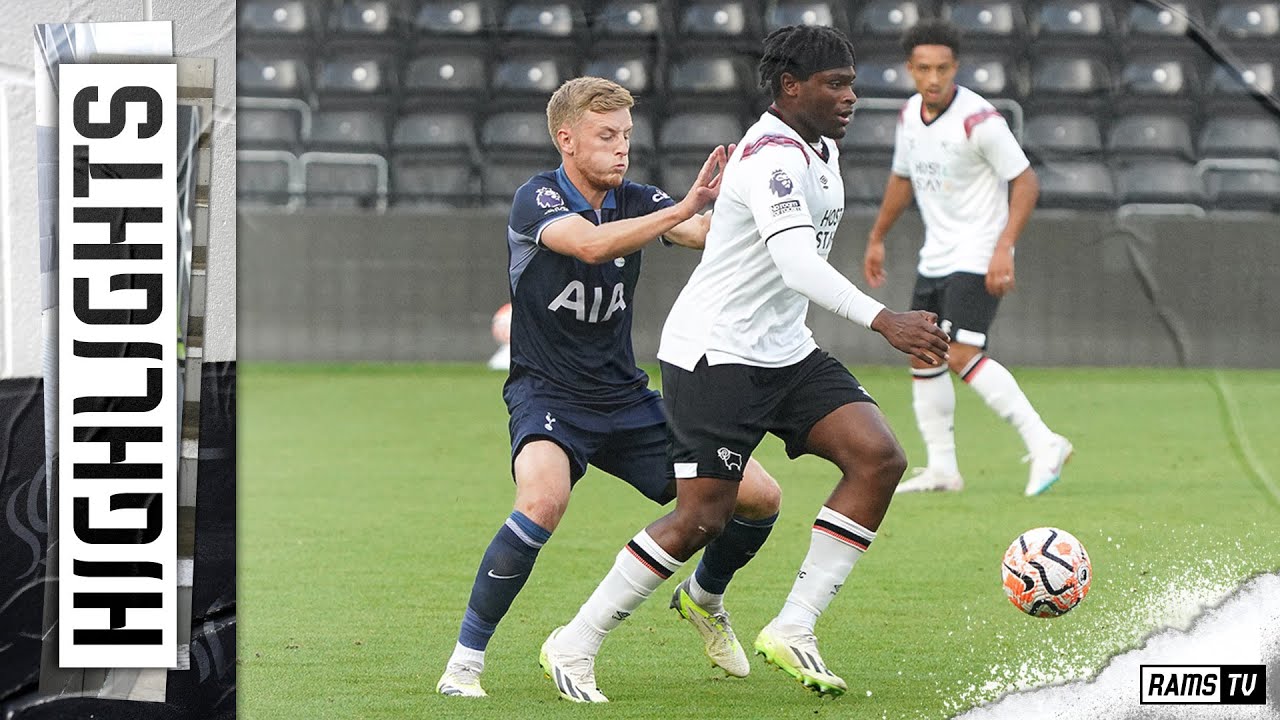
(1000, 280)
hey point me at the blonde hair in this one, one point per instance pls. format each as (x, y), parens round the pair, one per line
(579, 96)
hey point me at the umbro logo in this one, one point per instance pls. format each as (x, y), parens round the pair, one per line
(621, 615)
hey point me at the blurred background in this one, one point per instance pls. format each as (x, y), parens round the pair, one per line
(380, 142)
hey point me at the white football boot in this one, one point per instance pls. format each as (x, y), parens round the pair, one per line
(460, 680)
(718, 640)
(1046, 464)
(928, 479)
(574, 674)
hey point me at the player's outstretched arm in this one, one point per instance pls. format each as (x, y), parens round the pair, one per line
(691, 233)
(897, 196)
(580, 238)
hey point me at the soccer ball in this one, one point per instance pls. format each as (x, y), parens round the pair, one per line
(501, 325)
(1046, 572)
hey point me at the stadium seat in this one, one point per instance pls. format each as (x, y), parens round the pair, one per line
(419, 180)
(344, 180)
(447, 73)
(268, 128)
(359, 131)
(629, 18)
(1159, 135)
(1168, 20)
(363, 19)
(678, 171)
(1252, 76)
(887, 19)
(1075, 184)
(630, 71)
(781, 13)
(642, 137)
(1075, 19)
(699, 132)
(357, 75)
(988, 21)
(272, 76)
(864, 178)
(276, 18)
(643, 170)
(708, 76)
(883, 76)
(871, 130)
(1069, 76)
(1158, 181)
(1240, 137)
(543, 19)
(515, 131)
(718, 18)
(1158, 76)
(1062, 136)
(264, 178)
(1249, 20)
(442, 131)
(1256, 189)
(460, 18)
(499, 180)
(993, 76)
(536, 74)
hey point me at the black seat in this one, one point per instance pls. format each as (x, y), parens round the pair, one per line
(364, 20)
(1146, 22)
(1249, 77)
(534, 74)
(864, 178)
(268, 128)
(642, 137)
(1159, 76)
(988, 21)
(1248, 20)
(884, 76)
(543, 19)
(458, 73)
(1158, 181)
(1079, 20)
(993, 76)
(1075, 184)
(430, 130)
(452, 18)
(1240, 137)
(1256, 189)
(699, 132)
(365, 77)
(499, 180)
(629, 19)
(359, 131)
(525, 131)
(1062, 136)
(871, 130)
(1157, 135)
(888, 19)
(271, 76)
(726, 19)
(781, 13)
(708, 76)
(1073, 76)
(263, 178)
(276, 19)
(342, 180)
(631, 71)
(427, 180)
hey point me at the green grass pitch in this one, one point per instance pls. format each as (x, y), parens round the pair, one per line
(368, 494)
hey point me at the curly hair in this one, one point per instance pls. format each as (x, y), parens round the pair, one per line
(802, 50)
(931, 32)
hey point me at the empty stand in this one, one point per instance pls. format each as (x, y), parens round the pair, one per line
(1240, 137)
(1076, 185)
(1062, 136)
(1152, 135)
(360, 131)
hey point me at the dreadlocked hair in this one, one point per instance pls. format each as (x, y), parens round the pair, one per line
(796, 49)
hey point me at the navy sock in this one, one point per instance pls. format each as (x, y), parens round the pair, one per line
(503, 571)
(734, 548)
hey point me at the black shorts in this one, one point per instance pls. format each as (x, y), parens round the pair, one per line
(965, 309)
(718, 414)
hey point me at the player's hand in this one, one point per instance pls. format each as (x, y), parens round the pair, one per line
(873, 262)
(706, 188)
(915, 333)
(1000, 280)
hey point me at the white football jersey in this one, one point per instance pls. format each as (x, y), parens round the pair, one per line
(735, 307)
(960, 165)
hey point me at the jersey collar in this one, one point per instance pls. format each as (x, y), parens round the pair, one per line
(820, 151)
(955, 94)
(575, 200)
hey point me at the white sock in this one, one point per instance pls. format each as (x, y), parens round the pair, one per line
(639, 569)
(463, 655)
(934, 399)
(711, 602)
(1001, 392)
(835, 544)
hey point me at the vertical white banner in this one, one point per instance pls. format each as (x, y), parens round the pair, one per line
(118, 407)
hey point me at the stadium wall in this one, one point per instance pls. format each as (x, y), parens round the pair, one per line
(331, 285)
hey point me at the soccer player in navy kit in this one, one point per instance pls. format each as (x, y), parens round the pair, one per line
(574, 393)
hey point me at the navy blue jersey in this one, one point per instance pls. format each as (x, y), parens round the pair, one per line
(571, 321)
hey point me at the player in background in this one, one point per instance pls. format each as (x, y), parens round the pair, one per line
(574, 392)
(738, 361)
(975, 188)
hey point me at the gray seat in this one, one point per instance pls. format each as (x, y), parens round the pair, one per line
(1062, 136)
(1072, 76)
(871, 130)
(267, 128)
(355, 75)
(716, 18)
(1158, 181)
(631, 72)
(434, 131)
(499, 180)
(373, 19)
(262, 181)
(888, 19)
(1244, 189)
(781, 13)
(448, 72)
(1240, 137)
(993, 76)
(1248, 20)
(423, 180)
(1251, 76)
(542, 18)
(696, 76)
(515, 131)
(699, 131)
(1160, 135)
(864, 178)
(452, 18)
(884, 76)
(1168, 20)
(629, 18)
(277, 18)
(988, 19)
(351, 184)
(349, 131)
(272, 76)
(1158, 76)
(534, 74)
(1077, 19)
(1075, 184)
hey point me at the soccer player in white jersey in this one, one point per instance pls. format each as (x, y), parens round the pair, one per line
(738, 361)
(975, 188)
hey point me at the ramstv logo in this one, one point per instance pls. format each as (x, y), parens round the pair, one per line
(1203, 684)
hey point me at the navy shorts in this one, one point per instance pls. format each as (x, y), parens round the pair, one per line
(626, 438)
(964, 307)
(720, 413)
